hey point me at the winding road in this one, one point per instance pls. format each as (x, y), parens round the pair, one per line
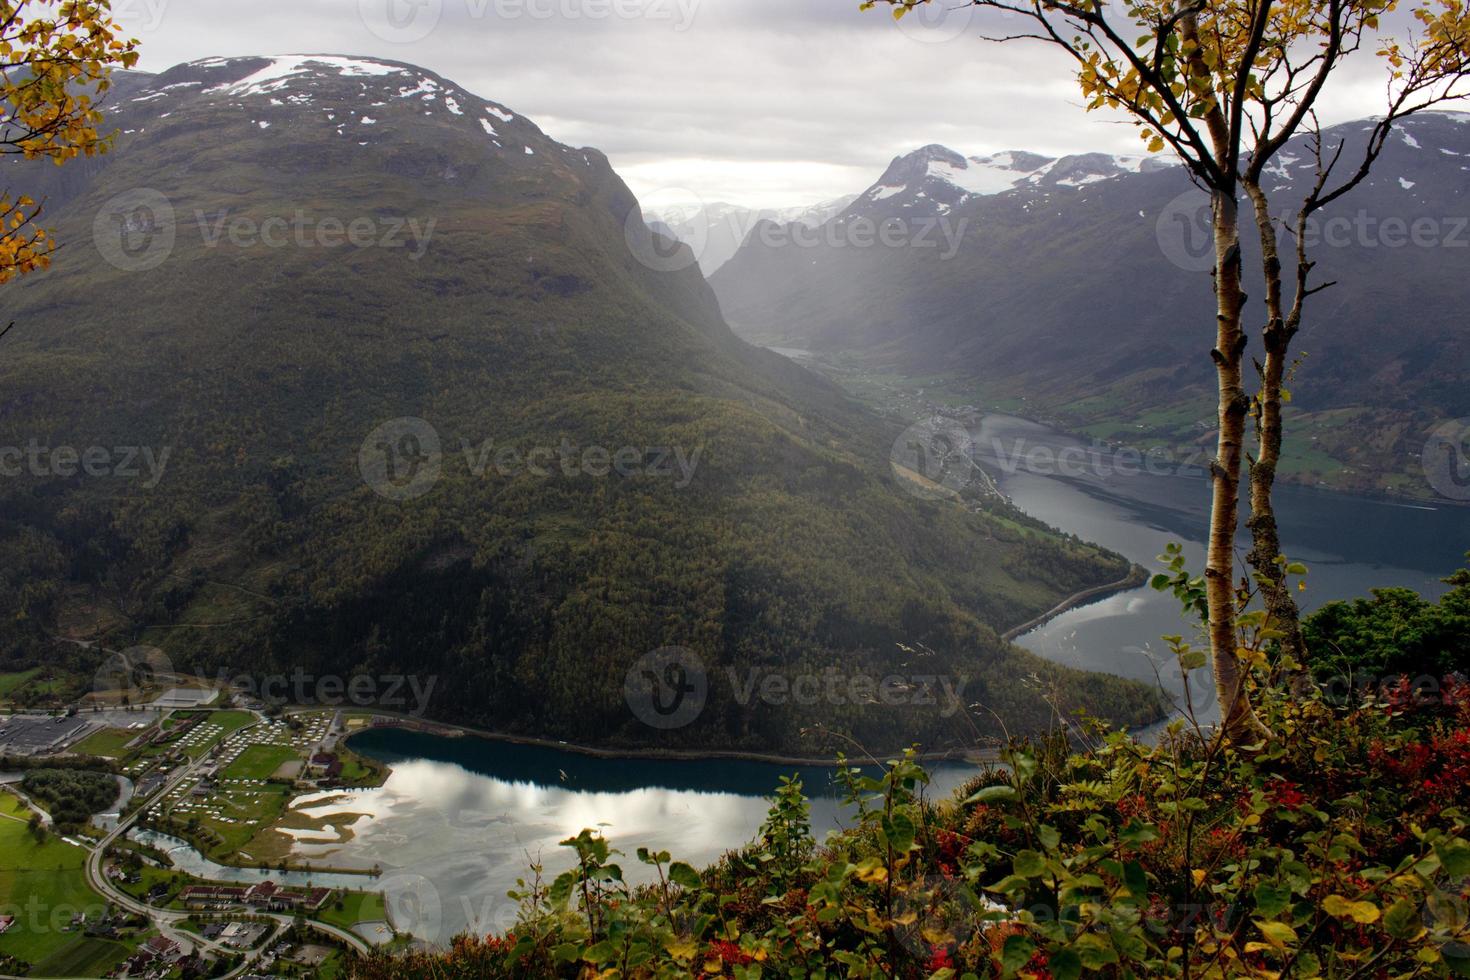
(167, 920)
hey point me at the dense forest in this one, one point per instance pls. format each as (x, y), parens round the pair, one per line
(71, 796)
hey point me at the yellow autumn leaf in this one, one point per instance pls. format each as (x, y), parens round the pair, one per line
(1341, 907)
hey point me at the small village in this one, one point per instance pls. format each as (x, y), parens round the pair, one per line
(212, 771)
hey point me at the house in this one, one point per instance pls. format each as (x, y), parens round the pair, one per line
(6, 921)
(212, 896)
(162, 948)
(266, 895)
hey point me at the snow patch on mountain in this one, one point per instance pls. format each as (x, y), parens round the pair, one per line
(282, 70)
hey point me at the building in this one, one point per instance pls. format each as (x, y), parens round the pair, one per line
(162, 948)
(325, 765)
(265, 895)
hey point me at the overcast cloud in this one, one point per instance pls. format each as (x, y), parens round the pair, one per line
(757, 102)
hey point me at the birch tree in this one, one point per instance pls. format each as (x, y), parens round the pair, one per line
(1224, 85)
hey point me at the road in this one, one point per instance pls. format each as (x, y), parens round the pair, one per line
(166, 920)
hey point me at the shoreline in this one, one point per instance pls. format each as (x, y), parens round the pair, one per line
(974, 757)
(1136, 577)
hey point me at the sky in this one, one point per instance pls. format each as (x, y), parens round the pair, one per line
(764, 103)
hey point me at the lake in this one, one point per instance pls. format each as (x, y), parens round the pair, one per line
(458, 820)
(1349, 544)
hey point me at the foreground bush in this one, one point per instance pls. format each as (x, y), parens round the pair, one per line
(1337, 850)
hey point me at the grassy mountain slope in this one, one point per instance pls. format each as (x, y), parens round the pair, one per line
(525, 321)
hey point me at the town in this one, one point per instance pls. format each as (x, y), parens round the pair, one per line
(104, 792)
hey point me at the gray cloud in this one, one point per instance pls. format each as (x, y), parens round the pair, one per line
(761, 102)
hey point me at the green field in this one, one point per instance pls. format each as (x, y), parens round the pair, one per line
(42, 682)
(150, 876)
(260, 761)
(110, 743)
(9, 682)
(244, 813)
(356, 907)
(45, 885)
(85, 957)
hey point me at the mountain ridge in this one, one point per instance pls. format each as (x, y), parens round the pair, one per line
(1065, 297)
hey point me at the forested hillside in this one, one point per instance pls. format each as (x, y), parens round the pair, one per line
(259, 506)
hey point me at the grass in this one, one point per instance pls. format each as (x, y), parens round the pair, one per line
(149, 876)
(86, 956)
(243, 814)
(260, 761)
(9, 682)
(357, 771)
(37, 683)
(46, 884)
(330, 968)
(110, 743)
(356, 907)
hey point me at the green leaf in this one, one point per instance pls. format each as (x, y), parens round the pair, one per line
(1271, 899)
(1340, 907)
(1017, 953)
(899, 830)
(1136, 879)
(993, 794)
(1138, 833)
(683, 875)
(1402, 920)
(1064, 964)
(1029, 864)
(600, 953)
(1454, 858)
(1278, 934)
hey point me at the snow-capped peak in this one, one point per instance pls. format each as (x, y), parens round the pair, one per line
(279, 71)
(937, 178)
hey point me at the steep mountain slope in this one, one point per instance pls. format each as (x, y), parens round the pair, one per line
(1079, 289)
(714, 232)
(386, 380)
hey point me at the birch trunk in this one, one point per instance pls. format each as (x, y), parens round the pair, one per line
(1237, 718)
(1265, 538)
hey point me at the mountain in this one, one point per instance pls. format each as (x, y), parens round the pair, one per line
(345, 370)
(714, 232)
(1077, 290)
(934, 180)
